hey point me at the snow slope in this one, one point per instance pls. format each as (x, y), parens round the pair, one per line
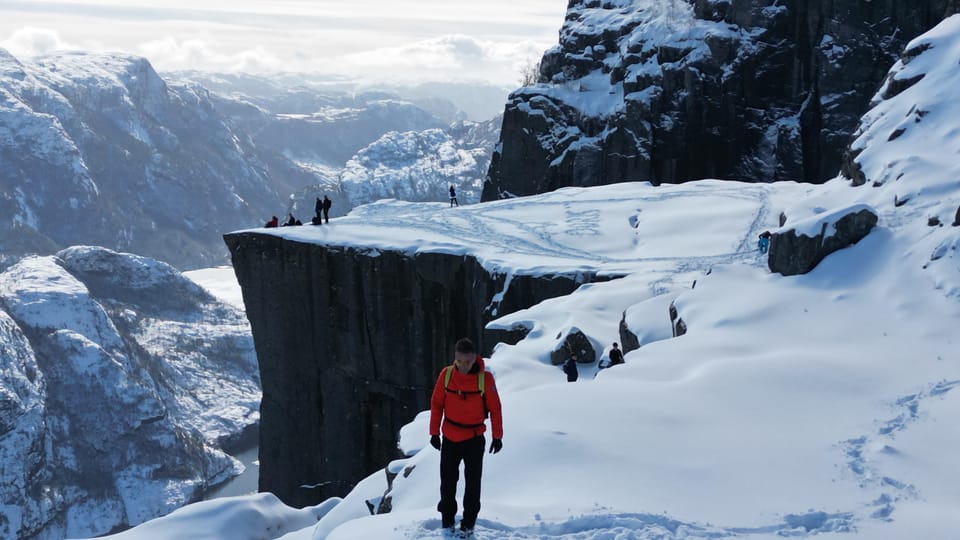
(819, 405)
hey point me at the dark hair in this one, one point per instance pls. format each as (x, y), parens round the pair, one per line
(615, 344)
(464, 345)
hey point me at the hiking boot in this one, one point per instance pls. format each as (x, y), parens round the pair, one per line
(448, 532)
(465, 533)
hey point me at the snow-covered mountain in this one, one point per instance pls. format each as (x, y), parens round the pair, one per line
(820, 405)
(678, 90)
(327, 136)
(410, 166)
(98, 149)
(449, 101)
(120, 382)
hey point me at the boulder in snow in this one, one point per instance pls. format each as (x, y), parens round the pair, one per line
(628, 340)
(574, 342)
(676, 322)
(800, 248)
(510, 335)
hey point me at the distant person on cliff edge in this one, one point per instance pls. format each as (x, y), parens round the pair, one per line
(274, 222)
(318, 210)
(327, 203)
(465, 394)
(453, 197)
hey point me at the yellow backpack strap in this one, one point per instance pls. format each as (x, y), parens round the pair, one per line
(480, 382)
(448, 371)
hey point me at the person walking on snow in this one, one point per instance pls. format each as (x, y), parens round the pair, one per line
(464, 395)
(327, 203)
(453, 197)
(764, 242)
(571, 369)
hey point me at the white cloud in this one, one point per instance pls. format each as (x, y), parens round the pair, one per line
(170, 54)
(450, 56)
(33, 41)
(372, 40)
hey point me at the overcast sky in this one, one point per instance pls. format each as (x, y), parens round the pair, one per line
(368, 39)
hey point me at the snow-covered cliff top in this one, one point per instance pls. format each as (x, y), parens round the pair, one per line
(613, 229)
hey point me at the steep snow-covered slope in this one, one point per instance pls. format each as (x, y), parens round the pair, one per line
(821, 405)
(121, 380)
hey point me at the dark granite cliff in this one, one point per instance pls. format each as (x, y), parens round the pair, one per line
(756, 90)
(349, 343)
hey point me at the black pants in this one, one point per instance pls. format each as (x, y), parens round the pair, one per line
(326, 214)
(470, 452)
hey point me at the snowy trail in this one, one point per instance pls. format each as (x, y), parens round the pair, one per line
(603, 526)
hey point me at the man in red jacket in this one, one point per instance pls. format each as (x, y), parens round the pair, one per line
(465, 393)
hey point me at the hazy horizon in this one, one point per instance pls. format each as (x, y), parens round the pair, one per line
(367, 41)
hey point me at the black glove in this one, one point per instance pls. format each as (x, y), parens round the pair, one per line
(496, 446)
(435, 441)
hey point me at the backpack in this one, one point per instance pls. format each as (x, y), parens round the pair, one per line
(448, 372)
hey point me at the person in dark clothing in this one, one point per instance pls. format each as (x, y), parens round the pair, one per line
(318, 210)
(327, 203)
(274, 222)
(453, 197)
(571, 369)
(616, 356)
(291, 221)
(464, 395)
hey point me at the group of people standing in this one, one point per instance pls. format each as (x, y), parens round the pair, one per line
(322, 212)
(321, 209)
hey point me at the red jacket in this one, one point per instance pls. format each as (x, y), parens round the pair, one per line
(461, 403)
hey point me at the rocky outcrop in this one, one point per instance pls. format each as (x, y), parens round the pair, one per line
(575, 342)
(677, 323)
(511, 335)
(350, 342)
(628, 340)
(120, 381)
(679, 90)
(800, 249)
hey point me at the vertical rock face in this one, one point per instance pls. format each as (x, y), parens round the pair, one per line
(350, 343)
(676, 90)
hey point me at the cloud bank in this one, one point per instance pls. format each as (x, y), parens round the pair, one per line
(367, 39)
